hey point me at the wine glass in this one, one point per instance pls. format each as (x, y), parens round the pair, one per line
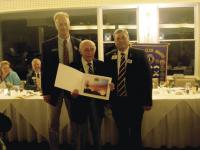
(21, 86)
(162, 84)
(188, 86)
(9, 87)
(16, 88)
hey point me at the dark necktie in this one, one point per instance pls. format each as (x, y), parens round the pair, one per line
(121, 80)
(65, 53)
(37, 75)
(90, 71)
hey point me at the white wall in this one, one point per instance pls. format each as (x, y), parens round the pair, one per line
(19, 5)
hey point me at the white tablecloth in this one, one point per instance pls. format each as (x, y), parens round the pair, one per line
(173, 121)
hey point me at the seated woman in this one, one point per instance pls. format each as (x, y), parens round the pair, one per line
(7, 74)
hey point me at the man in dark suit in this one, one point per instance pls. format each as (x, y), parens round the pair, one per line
(33, 79)
(60, 49)
(131, 75)
(85, 109)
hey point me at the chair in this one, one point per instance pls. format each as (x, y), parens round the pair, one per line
(155, 83)
(5, 126)
(180, 82)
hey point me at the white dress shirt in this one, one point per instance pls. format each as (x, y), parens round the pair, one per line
(85, 65)
(119, 57)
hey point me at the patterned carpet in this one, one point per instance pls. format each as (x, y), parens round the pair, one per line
(45, 146)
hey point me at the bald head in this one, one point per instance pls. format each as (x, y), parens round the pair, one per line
(36, 65)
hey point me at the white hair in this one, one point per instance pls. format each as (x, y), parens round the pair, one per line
(84, 42)
(35, 60)
(60, 13)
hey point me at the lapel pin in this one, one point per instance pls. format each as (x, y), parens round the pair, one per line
(114, 57)
(54, 50)
(129, 61)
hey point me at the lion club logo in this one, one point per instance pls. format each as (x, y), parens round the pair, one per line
(151, 58)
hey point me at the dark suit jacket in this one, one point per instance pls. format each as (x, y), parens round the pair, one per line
(30, 83)
(50, 61)
(138, 77)
(80, 106)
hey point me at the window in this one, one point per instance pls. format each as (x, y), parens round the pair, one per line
(20, 42)
(177, 29)
(118, 18)
(23, 33)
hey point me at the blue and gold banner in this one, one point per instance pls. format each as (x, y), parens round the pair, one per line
(157, 55)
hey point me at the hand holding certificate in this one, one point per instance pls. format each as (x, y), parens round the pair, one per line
(90, 85)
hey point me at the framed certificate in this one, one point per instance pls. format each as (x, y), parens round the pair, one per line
(96, 86)
(90, 85)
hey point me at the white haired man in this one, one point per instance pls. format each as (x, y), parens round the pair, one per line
(33, 79)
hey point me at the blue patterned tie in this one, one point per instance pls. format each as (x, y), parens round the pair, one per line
(121, 81)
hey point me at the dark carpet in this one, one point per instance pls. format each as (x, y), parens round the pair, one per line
(45, 146)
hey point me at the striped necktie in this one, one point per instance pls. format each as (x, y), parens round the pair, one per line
(121, 80)
(90, 71)
(65, 53)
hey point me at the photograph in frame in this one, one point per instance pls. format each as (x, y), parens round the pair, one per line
(96, 86)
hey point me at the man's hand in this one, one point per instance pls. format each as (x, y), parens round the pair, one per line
(112, 86)
(147, 108)
(75, 93)
(47, 98)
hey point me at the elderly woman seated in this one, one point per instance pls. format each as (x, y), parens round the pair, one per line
(7, 74)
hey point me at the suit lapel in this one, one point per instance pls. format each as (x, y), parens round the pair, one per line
(80, 67)
(114, 59)
(33, 74)
(130, 60)
(55, 49)
(95, 64)
(75, 48)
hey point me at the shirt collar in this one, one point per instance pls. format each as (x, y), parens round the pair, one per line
(125, 52)
(36, 72)
(61, 39)
(84, 62)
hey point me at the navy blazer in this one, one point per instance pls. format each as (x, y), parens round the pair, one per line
(80, 106)
(50, 61)
(138, 76)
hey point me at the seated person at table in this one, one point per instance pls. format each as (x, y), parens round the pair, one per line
(7, 74)
(33, 79)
